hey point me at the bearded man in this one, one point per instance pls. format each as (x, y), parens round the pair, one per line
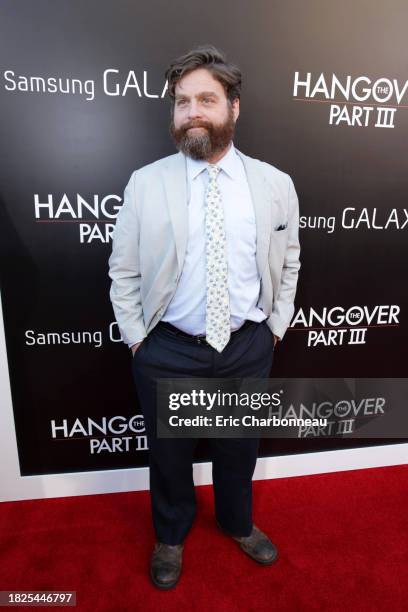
(204, 269)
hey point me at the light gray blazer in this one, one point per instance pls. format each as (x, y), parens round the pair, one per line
(150, 237)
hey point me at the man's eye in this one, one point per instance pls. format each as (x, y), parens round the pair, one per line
(207, 100)
(181, 102)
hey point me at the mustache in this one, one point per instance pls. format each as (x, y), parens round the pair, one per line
(193, 124)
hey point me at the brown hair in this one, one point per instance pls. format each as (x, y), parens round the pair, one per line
(213, 60)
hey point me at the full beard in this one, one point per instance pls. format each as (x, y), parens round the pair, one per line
(204, 143)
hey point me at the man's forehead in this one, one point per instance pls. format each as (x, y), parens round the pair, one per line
(196, 81)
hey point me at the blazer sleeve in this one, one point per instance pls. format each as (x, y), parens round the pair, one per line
(124, 269)
(283, 308)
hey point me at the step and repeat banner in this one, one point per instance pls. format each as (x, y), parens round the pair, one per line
(83, 103)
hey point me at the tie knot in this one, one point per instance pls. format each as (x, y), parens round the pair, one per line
(213, 170)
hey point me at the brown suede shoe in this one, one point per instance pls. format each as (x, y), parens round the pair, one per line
(257, 545)
(165, 565)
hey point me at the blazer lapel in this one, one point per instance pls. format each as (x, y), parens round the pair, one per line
(175, 183)
(261, 198)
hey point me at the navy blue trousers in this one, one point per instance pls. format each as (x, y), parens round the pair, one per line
(164, 354)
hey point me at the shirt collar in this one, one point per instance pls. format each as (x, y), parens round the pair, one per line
(229, 163)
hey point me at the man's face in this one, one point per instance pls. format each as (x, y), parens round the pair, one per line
(203, 122)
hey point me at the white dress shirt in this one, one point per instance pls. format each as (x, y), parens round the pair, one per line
(187, 309)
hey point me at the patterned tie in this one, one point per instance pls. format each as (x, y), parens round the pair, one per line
(217, 322)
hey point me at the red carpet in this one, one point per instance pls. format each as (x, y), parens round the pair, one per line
(342, 538)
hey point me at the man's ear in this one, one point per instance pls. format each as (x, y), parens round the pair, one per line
(235, 108)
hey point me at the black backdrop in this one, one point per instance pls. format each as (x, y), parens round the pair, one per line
(341, 135)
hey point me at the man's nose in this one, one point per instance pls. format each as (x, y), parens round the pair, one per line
(194, 110)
